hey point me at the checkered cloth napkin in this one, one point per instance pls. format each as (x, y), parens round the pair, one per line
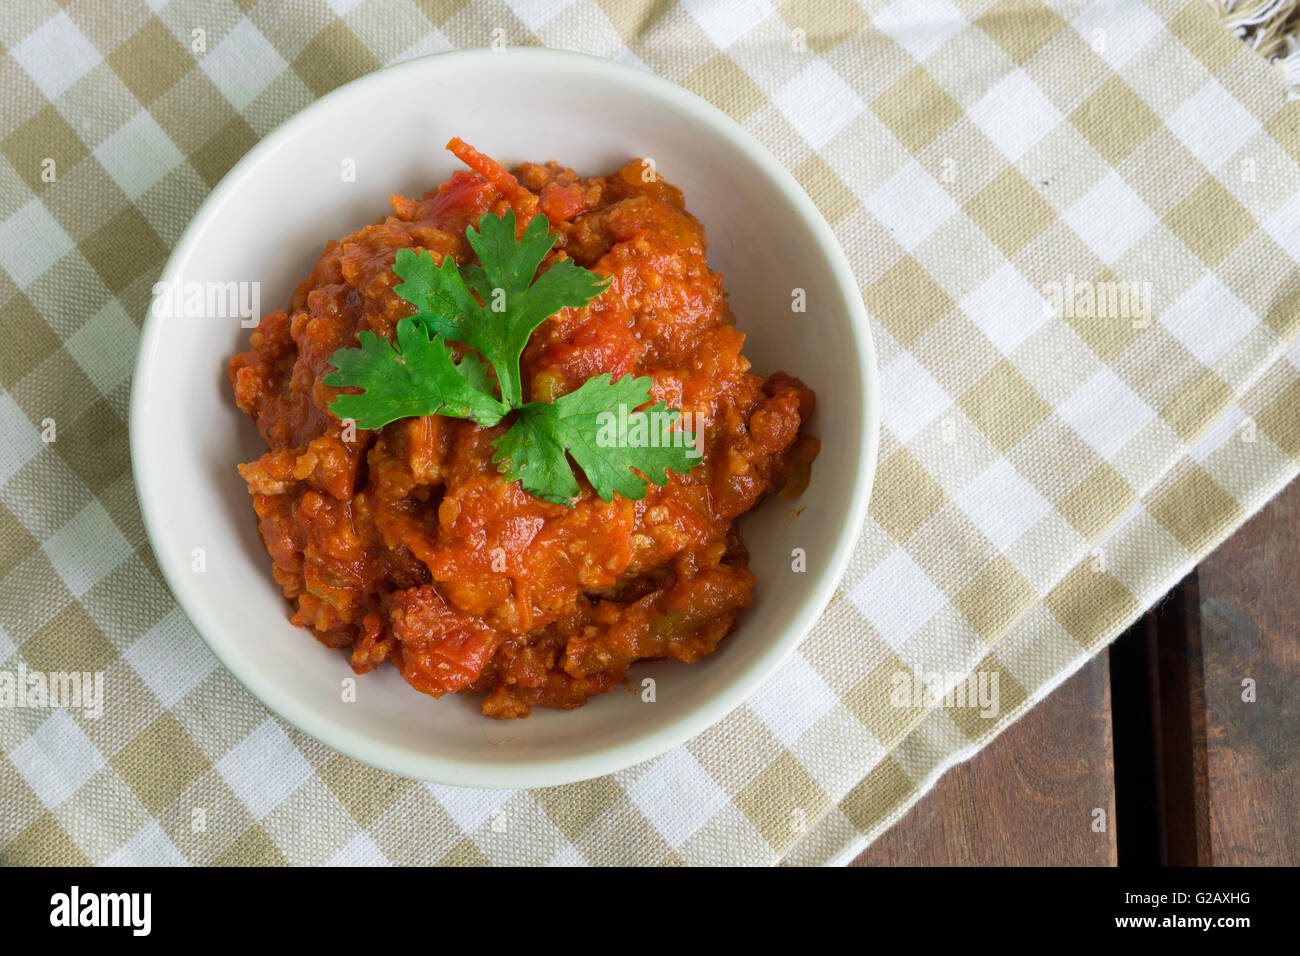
(1076, 227)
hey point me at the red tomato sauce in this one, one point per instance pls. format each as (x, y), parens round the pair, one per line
(406, 544)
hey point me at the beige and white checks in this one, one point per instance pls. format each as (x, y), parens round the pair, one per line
(1077, 229)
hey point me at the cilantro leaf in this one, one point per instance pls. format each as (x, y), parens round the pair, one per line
(418, 376)
(493, 306)
(437, 290)
(478, 373)
(597, 424)
(510, 303)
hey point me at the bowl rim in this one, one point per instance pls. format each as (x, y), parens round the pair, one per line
(461, 772)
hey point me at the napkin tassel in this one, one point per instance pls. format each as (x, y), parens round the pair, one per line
(1272, 27)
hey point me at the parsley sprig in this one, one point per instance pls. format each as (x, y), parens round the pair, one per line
(493, 307)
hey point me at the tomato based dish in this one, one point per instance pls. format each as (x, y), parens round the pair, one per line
(408, 543)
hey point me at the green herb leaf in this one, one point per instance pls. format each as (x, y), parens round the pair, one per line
(493, 307)
(437, 290)
(419, 376)
(598, 425)
(510, 304)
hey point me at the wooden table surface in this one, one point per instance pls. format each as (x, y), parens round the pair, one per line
(1180, 745)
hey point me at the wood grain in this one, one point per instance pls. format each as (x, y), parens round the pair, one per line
(1025, 799)
(1249, 609)
(1158, 728)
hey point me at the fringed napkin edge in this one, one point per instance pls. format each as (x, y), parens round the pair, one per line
(1271, 27)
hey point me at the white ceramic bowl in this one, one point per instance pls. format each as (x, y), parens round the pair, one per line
(268, 221)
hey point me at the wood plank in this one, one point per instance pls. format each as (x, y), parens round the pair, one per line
(1158, 714)
(1025, 799)
(1249, 609)
(1178, 704)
